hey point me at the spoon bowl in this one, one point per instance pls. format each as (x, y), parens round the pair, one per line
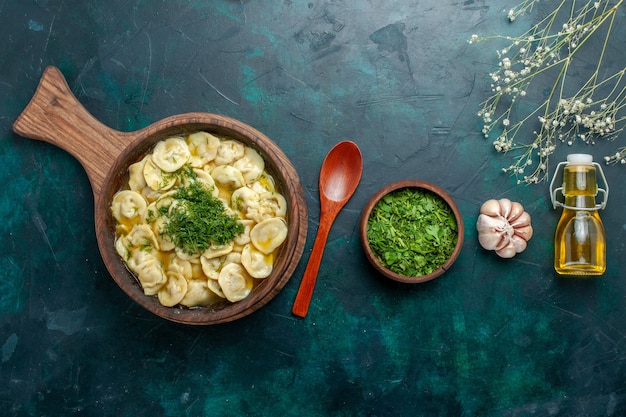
(340, 173)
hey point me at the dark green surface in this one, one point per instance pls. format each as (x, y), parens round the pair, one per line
(491, 337)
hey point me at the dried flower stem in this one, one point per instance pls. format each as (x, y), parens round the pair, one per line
(547, 51)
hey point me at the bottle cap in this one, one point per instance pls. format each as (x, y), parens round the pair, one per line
(579, 158)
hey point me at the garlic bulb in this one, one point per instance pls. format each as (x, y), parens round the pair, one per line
(503, 226)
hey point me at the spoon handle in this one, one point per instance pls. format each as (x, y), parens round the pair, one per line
(305, 292)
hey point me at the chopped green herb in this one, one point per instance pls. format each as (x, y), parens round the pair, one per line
(237, 202)
(187, 172)
(146, 245)
(150, 217)
(199, 220)
(412, 231)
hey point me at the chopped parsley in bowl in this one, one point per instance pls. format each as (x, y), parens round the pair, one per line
(411, 231)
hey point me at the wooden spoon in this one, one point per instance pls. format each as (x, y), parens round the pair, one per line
(339, 176)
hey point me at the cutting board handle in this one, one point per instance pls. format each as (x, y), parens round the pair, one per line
(54, 115)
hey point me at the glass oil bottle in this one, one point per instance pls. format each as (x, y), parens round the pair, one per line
(580, 240)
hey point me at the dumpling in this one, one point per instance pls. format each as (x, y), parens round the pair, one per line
(158, 227)
(263, 185)
(136, 180)
(128, 204)
(215, 251)
(269, 205)
(122, 247)
(214, 286)
(244, 199)
(139, 258)
(233, 257)
(244, 238)
(235, 282)
(257, 264)
(156, 178)
(174, 290)
(211, 267)
(151, 276)
(251, 165)
(198, 294)
(180, 266)
(229, 151)
(274, 203)
(228, 176)
(203, 147)
(151, 195)
(164, 202)
(171, 154)
(269, 234)
(193, 257)
(141, 236)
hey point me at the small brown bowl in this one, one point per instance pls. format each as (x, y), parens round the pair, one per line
(417, 184)
(54, 115)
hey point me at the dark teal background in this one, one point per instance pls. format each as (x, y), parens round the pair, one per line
(491, 337)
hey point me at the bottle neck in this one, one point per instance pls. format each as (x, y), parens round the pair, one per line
(580, 186)
(580, 201)
(579, 180)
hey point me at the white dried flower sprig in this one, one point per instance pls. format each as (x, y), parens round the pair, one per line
(548, 48)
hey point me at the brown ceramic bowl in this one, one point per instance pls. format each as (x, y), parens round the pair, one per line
(416, 184)
(54, 115)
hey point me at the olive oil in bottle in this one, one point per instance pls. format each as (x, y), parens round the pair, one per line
(580, 240)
